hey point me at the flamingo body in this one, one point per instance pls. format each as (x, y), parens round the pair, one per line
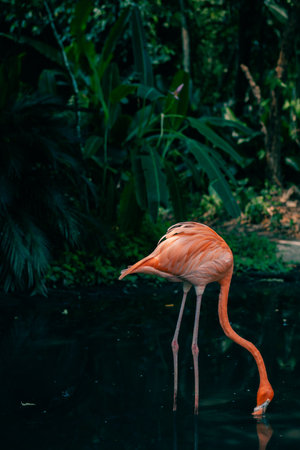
(194, 254)
(181, 256)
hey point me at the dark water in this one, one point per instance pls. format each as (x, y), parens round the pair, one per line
(94, 371)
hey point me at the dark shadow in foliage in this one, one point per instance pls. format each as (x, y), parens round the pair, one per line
(39, 173)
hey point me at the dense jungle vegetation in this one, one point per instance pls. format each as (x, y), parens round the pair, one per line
(119, 118)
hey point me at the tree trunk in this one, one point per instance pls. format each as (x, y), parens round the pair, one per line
(273, 138)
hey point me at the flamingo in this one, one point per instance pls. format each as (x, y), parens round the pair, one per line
(194, 254)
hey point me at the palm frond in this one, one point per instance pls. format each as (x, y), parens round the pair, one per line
(40, 176)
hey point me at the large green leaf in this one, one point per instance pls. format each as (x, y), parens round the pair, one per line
(129, 213)
(175, 192)
(210, 166)
(140, 122)
(109, 207)
(278, 11)
(121, 91)
(176, 105)
(155, 180)
(221, 164)
(190, 164)
(148, 93)
(47, 82)
(101, 92)
(293, 161)
(84, 48)
(82, 11)
(234, 124)
(90, 77)
(142, 60)
(214, 138)
(92, 146)
(111, 41)
(162, 180)
(46, 50)
(139, 180)
(110, 80)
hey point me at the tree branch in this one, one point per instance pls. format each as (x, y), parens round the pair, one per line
(69, 71)
(185, 40)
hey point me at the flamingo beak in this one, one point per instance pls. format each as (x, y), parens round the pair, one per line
(260, 410)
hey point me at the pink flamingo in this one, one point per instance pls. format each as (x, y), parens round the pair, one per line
(194, 254)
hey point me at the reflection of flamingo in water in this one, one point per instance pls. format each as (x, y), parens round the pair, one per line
(196, 255)
(263, 429)
(264, 434)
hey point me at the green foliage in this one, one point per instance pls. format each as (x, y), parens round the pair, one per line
(207, 207)
(82, 268)
(256, 210)
(38, 177)
(254, 253)
(142, 60)
(153, 136)
(258, 205)
(156, 136)
(205, 158)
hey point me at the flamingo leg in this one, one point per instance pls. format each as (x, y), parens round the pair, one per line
(195, 349)
(175, 346)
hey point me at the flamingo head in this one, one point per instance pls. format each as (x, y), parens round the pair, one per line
(265, 395)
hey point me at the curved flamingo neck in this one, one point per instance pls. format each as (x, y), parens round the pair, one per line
(228, 330)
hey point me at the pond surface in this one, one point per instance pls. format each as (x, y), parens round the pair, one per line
(94, 371)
